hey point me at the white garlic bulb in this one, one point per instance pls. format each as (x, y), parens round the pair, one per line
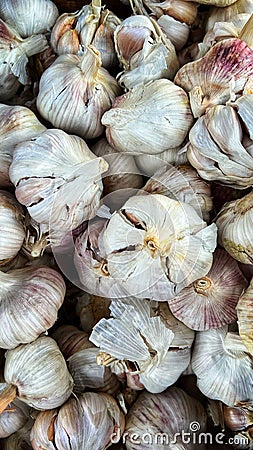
(75, 91)
(15, 52)
(29, 16)
(148, 164)
(155, 246)
(85, 422)
(223, 366)
(37, 373)
(12, 227)
(149, 119)
(228, 13)
(17, 123)
(62, 189)
(245, 318)
(13, 417)
(36, 291)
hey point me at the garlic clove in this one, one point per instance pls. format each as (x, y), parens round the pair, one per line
(210, 302)
(104, 38)
(238, 417)
(245, 319)
(160, 113)
(29, 16)
(223, 366)
(176, 31)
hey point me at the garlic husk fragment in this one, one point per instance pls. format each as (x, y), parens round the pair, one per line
(132, 335)
(29, 16)
(176, 31)
(17, 123)
(39, 374)
(149, 164)
(15, 52)
(218, 149)
(74, 93)
(12, 227)
(183, 336)
(210, 302)
(245, 317)
(149, 119)
(62, 189)
(213, 79)
(121, 179)
(86, 422)
(229, 13)
(156, 246)
(144, 51)
(90, 309)
(158, 420)
(182, 183)
(223, 366)
(71, 340)
(234, 223)
(36, 291)
(13, 418)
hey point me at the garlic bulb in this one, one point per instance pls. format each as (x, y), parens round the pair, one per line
(132, 335)
(158, 421)
(29, 16)
(223, 366)
(245, 317)
(86, 422)
(234, 223)
(149, 119)
(37, 374)
(182, 183)
(156, 246)
(238, 417)
(144, 51)
(63, 189)
(210, 301)
(15, 52)
(218, 149)
(90, 309)
(13, 418)
(211, 80)
(71, 340)
(75, 91)
(21, 439)
(183, 10)
(228, 13)
(17, 123)
(12, 227)
(36, 291)
(148, 164)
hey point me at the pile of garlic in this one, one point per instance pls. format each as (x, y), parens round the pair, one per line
(126, 249)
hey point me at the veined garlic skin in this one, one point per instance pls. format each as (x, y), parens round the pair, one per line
(13, 418)
(39, 372)
(12, 227)
(149, 164)
(149, 119)
(17, 123)
(75, 91)
(62, 189)
(245, 317)
(227, 14)
(37, 292)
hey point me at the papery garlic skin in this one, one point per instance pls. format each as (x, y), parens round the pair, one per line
(148, 164)
(245, 318)
(40, 374)
(76, 424)
(90, 309)
(37, 292)
(155, 246)
(71, 340)
(29, 16)
(74, 93)
(228, 13)
(13, 418)
(63, 189)
(149, 119)
(17, 123)
(12, 227)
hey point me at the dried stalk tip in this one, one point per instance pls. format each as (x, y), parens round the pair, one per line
(7, 396)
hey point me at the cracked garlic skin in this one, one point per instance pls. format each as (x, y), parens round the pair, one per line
(39, 374)
(85, 422)
(149, 119)
(75, 91)
(62, 189)
(156, 246)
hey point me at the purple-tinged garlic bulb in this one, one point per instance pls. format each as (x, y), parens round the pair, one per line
(71, 340)
(17, 123)
(86, 422)
(212, 79)
(29, 302)
(234, 223)
(244, 311)
(21, 439)
(210, 302)
(223, 366)
(149, 119)
(12, 228)
(14, 417)
(238, 417)
(75, 91)
(62, 189)
(158, 421)
(36, 374)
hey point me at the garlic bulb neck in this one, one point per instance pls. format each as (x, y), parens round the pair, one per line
(202, 285)
(7, 395)
(90, 62)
